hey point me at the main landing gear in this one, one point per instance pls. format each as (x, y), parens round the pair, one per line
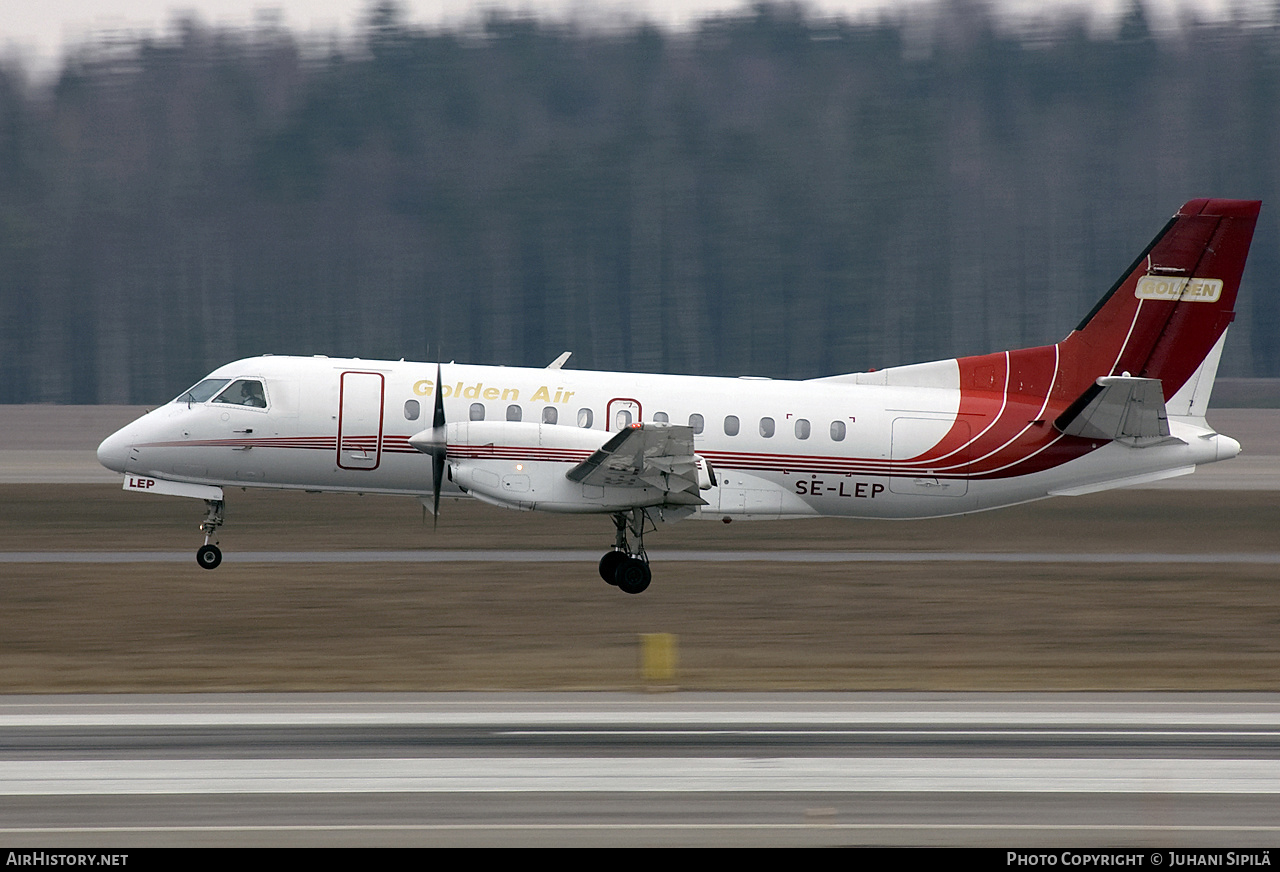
(627, 569)
(209, 555)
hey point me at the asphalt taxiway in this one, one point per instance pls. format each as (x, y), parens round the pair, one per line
(641, 769)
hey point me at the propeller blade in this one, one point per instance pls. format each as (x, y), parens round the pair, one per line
(437, 472)
(437, 419)
(439, 451)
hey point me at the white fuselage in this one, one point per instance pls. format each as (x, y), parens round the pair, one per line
(799, 448)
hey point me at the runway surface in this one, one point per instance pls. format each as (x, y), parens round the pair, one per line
(560, 555)
(1007, 770)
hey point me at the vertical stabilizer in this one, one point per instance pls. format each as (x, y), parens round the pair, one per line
(1192, 399)
(1166, 316)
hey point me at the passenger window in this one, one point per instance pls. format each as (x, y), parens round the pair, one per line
(412, 409)
(731, 425)
(696, 422)
(244, 392)
(513, 413)
(585, 418)
(837, 431)
(802, 428)
(549, 415)
(661, 418)
(766, 427)
(622, 420)
(477, 411)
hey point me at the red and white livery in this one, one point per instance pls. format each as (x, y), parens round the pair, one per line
(1119, 401)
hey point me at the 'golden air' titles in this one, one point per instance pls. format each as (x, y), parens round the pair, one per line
(477, 391)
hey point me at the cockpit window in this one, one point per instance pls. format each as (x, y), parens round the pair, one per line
(243, 392)
(203, 391)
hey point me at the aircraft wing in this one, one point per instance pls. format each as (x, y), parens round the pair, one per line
(1118, 407)
(645, 455)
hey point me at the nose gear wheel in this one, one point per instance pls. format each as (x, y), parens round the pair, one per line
(209, 556)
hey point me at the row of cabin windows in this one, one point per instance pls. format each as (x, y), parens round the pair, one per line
(768, 427)
(550, 415)
(732, 426)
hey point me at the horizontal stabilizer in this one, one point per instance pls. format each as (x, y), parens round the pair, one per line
(645, 455)
(1118, 407)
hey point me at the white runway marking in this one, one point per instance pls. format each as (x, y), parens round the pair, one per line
(639, 774)
(614, 768)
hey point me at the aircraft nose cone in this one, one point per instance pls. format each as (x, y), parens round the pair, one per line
(114, 451)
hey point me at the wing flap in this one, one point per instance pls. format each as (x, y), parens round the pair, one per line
(645, 455)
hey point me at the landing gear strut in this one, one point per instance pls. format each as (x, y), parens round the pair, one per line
(625, 567)
(209, 555)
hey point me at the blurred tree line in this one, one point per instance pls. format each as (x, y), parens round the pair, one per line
(769, 193)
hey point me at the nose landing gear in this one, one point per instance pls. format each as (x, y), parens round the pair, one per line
(208, 556)
(624, 567)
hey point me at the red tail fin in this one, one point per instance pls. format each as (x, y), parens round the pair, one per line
(1161, 320)
(1166, 313)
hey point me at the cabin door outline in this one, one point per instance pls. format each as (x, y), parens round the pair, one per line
(361, 407)
(621, 404)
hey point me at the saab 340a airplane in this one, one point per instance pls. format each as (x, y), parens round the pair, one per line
(1120, 401)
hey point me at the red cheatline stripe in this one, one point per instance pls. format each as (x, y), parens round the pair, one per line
(745, 460)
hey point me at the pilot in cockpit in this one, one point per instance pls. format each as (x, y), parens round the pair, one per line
(251, 395)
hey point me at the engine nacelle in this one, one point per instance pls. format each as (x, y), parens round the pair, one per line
(522, 465)
(706, 475)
